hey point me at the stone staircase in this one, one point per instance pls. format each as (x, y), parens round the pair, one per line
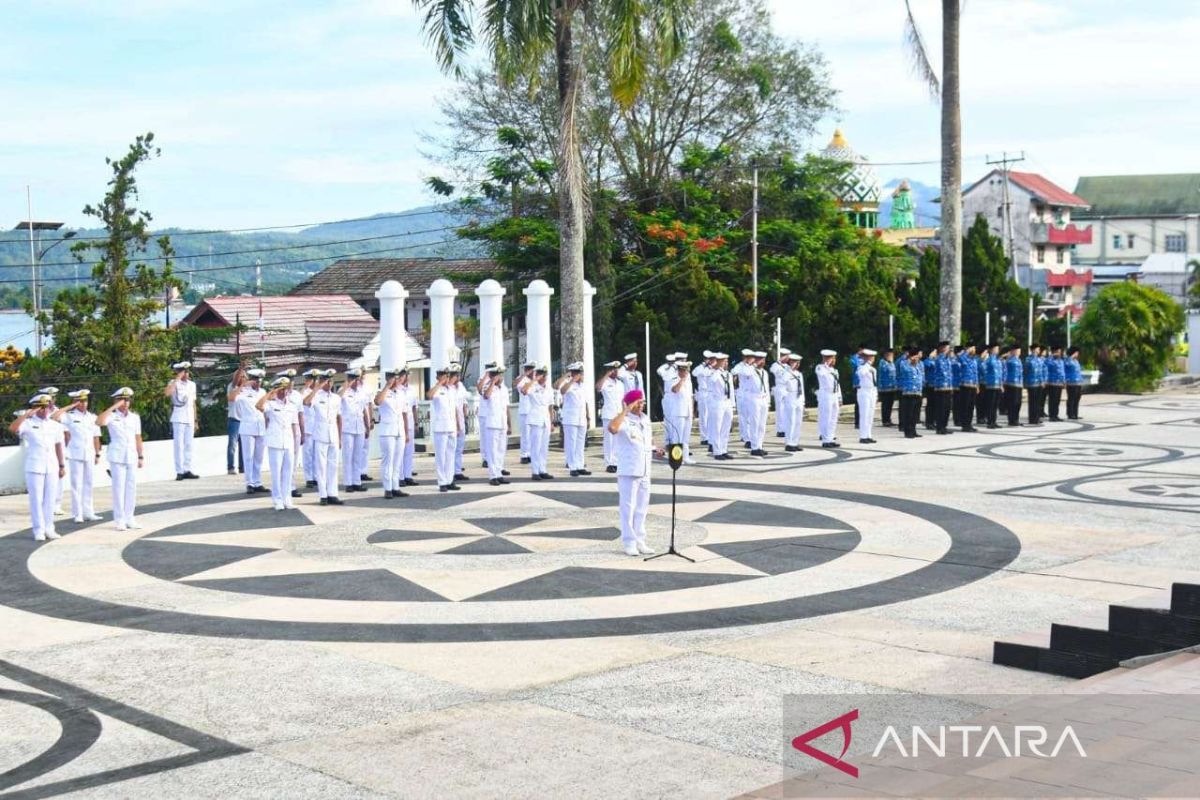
(1076, 651)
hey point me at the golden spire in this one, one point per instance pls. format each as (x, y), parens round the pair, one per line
(838, 140)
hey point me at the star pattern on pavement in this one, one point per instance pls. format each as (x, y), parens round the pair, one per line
(1079, 451)
(1188, 491)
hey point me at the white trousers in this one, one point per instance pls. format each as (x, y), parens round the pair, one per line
(326, 467)
(780, 422)
(702, 415)
(309, 457)
(181, 437)
(361, 457)
(496, 439)
(523, 419)
(762, 408)
(391, 462)
(82, 474)
(460, 447)
(681, 433)
(610, 454)
(866, 412)
(42, 488)
(634, 496)
(353, 444)
(410, 450)
(827, 415)
(795, 420)
(744, 414)
(124, 491)
(539, 448)
(283, 466)
(444, 445)
(720, 425)
(253, 452)
(574, 437)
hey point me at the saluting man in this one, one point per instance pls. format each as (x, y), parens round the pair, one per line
(410, 433)
(666, 374)
(700, 373)
(910, 373)
(991, 376)
(493, 419)
(182, 391)
(1073, 377)
(82, 451)
(743, 384)
(245, 395)
(354, 430)
(1055, 381)
(679, 426)
(308, 449)
(461, 412)
(968, 386)
(611, 391)
(391, 400)
(866, 395)
(44, 463)
(635, 449)
(829, 399)
(125, 455)
(791, 395)
(444, 421)
(777, 367)
(60, 486)
(574, 418)
(282, 430)
(720, 413)
(889, 390)
(327, 435)
(541, 398)
(1013, 382)
(296, 398)
(761, 397)
(629, 374)
(523, 407)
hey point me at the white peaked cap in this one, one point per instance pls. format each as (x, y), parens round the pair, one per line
(869, 353)
(829, 352)
(630, 356)
(783, 351)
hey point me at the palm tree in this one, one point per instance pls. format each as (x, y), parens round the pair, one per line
(950, 315)
(520, 34)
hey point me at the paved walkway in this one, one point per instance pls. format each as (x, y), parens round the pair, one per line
(491, 643)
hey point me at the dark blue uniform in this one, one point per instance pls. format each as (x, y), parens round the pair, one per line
(911, 381)
(968, 387)
(943, 390)
(1013, 381)
(1056, 380)
(1073, 375)
(889, 390)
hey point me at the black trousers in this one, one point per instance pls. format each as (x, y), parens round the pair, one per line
(1035, 404)
(887, 399)
(966, 406)
(956, 408)
(1012, 404)
(990, 398)
(1074, 391)
(1054, 399)
(930, 414)
(854, 390)
(945, 399)
(910, 410)
(981, 401)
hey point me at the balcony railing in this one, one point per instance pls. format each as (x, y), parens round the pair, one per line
(1045, 233)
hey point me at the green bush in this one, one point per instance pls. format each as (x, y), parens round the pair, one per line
(1128, 329)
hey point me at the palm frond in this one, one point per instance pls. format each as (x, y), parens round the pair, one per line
(447, 27)
(918, 54)
(627, 48)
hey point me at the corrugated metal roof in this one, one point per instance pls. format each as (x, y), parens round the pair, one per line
(283, 312)
(360, 278)
(1140, 195)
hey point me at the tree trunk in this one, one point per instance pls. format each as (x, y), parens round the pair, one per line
(950, 317)
(571, 200)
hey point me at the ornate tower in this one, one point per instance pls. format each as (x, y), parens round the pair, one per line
(903, 208)
(857, 189)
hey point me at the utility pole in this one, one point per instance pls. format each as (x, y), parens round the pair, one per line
(754, 239)
(258, 276)
(33, 277)
(1004, 161)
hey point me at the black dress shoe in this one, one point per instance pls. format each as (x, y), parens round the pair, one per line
(483, 464)
(250, 490)
(503, 481)
(454, 487)
(443, 488)
(311, 484)
(835, 444)
(409, 482)
(191, 476)
(525, 460)
(365, 477)
(336, 501)
(746, 445)
(546, 476)
(398, 493)
(324, 501)
(179, 476)
(535, 477)
(297, 493)
(610, 469)
(387, 495)
(505, 473)
(461, 477)
(585, 472)
(944, 432)
(911, 436)
(494, 482)
(574, 473)
(780, 435)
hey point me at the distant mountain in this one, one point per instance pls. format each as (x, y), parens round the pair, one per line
(928, 213)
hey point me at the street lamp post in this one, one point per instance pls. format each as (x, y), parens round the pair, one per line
(32, 225)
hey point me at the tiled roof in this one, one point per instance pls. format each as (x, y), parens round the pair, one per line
(360, 278)
(1040, 187)
(1140, 195)
(279, 312)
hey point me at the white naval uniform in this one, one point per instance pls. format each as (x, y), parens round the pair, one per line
(867, 394)
(123, 430)
(296, 398)
(538, 421)
(493, 428)
(523, 414)
(326, 408)
(829, 400)
(635, 450)
(462, 402)
(700, 373)
(251, 429)
(183, 424)
(80, 453)
(612, 399)
(631, 378)
(762, 406)
(679, 427)
(308, 450)
(574, 422)
(41, 471)
(354, 434)
(61, 485)
(720, 410)
(410, 433)
(392, 437)
(777, 395)
(791, 395)
(282, 432)
(666, 374)
(444, 421)
(743, 398)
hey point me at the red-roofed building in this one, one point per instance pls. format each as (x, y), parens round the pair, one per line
(1043, 236)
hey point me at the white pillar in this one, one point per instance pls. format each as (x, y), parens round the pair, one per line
(537, 322)
(491, 327)
(441, 294)
(392, 297)
(589, 352)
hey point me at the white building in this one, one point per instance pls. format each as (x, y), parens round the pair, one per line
(1136, 216)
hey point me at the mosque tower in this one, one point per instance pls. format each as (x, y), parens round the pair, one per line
(857, 190)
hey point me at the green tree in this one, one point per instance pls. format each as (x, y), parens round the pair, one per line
(521, 34)
(1193, 291)
(1128, 328)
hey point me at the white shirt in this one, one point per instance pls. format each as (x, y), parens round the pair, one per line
(744, 373)
(310, 417)
(326, 408)
(681, 405)
(700, 373)
(353, 403)
(612, 395)
(123, 430)
(39, 437)
(720, 386)
(82, 427)
(183, 403)
(827, 380)
(282, 424)
(631, 378)
(634, 447)
(461, 400)
(540, 398)
(391, 413)
(232, 413)
(791, 386)
(574, 409)
(493, 410)
(866, 377)
(252, 422)
(442, 417)
(761, 384)
(523, 399)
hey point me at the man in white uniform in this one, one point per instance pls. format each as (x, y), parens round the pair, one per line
(354, 430)
(611, 391)
(392, 402)
(182, 393)
(743, 382)
(307, 425)
(327, 433)
(720, 412)
(777, 393)
(700, 373)
(829, 399)
(296, 397)
(629, 375)
(44, 465)
(866, 396)
(462, 410)
(125, 455)
(762, 404)
(666, 375)
(83, 452)
(574, 418)
(443, 419)
(541, 397)
(251, 427)
(282, 431)
(493, 423)
(793, 401)
(523, 408)
(410, 433)
(679, 425)
(635, 451)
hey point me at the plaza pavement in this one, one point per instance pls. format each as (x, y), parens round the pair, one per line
(496, 643)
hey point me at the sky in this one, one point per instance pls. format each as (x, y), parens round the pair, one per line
(286, 112)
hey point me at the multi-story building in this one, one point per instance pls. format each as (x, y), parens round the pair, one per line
(1136, 216)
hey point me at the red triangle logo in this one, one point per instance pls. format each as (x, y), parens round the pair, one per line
(801, 743)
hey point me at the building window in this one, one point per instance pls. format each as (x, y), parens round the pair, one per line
(1058, 254)
(1041, 254)
(1129, 240)
(999, 212)
(1116, 241)
(1176, 243)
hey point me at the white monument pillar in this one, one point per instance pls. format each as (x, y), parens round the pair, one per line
(491, 326)
(441, 294)
(392, 297)
(537, 323)
(589, 352)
